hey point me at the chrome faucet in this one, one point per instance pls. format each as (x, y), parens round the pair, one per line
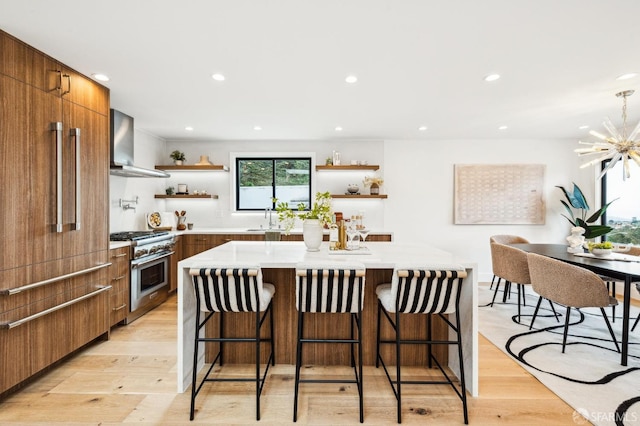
(268, 211)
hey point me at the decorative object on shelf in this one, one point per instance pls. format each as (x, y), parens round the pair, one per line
(328, 161)
(576, 200)
(170, 190)
(204, 161)
(177, 157)
(576, 240)
(321, 210)
(353, 188)
(374, 184)
(616, 147)
(183, 189)
(182, 219)
(336, 158)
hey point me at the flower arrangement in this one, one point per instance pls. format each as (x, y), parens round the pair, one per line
(370, 180)
(320, 210)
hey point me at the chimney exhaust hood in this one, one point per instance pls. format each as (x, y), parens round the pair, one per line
(122, 149)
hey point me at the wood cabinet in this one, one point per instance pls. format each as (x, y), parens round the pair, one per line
(54, 233)
(119, 279)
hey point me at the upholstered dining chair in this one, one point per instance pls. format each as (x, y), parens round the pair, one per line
(426, 290)
(570, 286)
(504, 239)
(226, 289)
(334, 288)
(611, 285)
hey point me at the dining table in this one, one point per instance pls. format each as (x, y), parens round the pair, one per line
(623, 268)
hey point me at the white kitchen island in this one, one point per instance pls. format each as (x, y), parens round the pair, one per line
(280, 260)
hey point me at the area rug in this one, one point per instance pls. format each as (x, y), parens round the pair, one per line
(588, 376)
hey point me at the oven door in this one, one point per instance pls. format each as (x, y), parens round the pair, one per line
(148, 278)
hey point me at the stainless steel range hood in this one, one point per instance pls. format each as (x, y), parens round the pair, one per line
(122, 149)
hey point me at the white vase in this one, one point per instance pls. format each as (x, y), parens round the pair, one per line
(312, 234)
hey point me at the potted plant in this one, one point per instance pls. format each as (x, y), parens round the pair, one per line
(576, 200)
(177, 157)
(314, 219)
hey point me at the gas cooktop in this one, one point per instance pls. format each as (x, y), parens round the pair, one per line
(135, 235)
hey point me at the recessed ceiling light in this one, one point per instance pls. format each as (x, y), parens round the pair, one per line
(422, 128)
(257, 128)
(627, 76)
(100, 77)
(492, 77)
(502, 128)
(351, 79)
(584, 126)
(338, 129)
(218, 77)
(189, 129)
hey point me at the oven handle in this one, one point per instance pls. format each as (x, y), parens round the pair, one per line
(153, 259)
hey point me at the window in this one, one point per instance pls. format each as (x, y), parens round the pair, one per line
(623, 215)
(260, 179)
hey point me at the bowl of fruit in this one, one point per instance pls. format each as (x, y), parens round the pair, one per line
(601, 249)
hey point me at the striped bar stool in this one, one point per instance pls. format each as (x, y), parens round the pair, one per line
(429, 291)
(231, 288)
(333, 288)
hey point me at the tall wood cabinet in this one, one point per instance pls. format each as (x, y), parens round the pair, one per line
(54, 169)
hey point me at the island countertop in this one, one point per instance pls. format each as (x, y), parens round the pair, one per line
(283, 255)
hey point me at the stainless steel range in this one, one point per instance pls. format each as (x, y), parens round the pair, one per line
(150, 251)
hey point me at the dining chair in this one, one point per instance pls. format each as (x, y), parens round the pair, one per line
(611, 284)
(330, 288)
(226, 289)
(428, 291)
(571, 286)
(504, 239)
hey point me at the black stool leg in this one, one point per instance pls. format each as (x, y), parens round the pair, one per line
(429, 338)
(635, 323)
(298, 363)
(378, 336)
(463, 386)
(195, 366)
(398, 377)
(257, 364)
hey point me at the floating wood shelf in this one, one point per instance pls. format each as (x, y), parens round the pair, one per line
(349, 167)
(194, 168)
(358, 196)
(209, 196)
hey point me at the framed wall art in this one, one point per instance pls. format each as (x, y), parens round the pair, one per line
(490, 194)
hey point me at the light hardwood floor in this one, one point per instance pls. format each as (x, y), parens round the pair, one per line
(132, 379)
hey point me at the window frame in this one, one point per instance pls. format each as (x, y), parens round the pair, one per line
(261, 156)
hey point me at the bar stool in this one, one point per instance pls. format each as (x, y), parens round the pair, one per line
(231, 288)
(429, 291)
(330, 288)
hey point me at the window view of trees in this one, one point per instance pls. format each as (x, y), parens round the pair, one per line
(623, 215)
(259, 180)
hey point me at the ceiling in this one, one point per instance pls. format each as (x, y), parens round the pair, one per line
(418, 63)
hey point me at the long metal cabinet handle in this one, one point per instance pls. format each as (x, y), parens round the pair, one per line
(75, 133)
(13, 324)
(137, 265)
(57, 128)
(11, 291)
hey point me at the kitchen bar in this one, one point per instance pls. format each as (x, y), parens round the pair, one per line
(278, 268)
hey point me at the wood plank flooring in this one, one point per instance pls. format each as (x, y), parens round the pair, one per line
(132, 379)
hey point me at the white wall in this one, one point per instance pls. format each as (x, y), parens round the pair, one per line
(149, 150)
(418, 178)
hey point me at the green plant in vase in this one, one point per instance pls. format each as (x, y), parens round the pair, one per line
(177, 156)
(321, 210)
(577, 201)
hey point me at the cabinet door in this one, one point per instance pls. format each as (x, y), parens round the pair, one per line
(27, 65)
(27, 173)
(80, 90)
(85, 195)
